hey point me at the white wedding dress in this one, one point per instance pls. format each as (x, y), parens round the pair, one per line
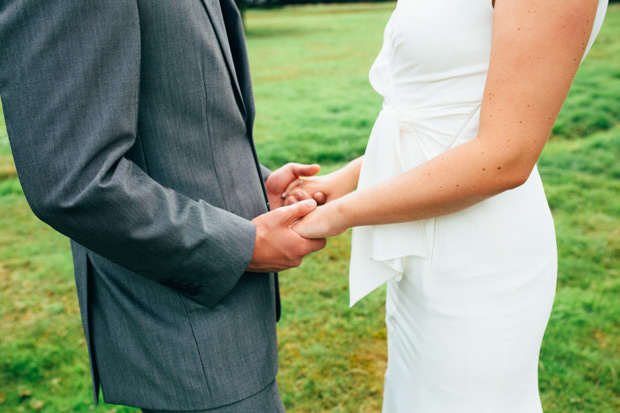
(469, 294)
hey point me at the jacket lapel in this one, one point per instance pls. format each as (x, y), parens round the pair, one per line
(215, 15)
(236, 37)
(229, 30)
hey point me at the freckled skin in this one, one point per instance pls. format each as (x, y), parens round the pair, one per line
(522, 97)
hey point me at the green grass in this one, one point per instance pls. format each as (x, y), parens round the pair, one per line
(310, 67)
(310, 72)
(579, 359)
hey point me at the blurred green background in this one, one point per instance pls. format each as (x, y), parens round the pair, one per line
(314, 104)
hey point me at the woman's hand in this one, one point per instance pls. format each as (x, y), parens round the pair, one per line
(320, 188)
(326, 188)
(325, 221)
(283, 178)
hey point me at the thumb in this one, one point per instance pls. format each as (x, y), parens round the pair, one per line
(298, 210)
(305, 170)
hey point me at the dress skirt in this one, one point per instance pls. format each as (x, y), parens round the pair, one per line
(465, 324)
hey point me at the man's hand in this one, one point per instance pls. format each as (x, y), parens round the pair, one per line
(282, 178)
(278, 247)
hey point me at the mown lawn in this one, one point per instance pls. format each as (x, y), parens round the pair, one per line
(314, 103)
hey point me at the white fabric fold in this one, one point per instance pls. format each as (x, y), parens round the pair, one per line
(377, 250)
(401, 139)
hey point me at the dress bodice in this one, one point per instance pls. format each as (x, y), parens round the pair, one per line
(431, 72)
(435, 54)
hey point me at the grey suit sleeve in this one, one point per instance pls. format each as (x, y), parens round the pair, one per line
(265, 172)
(69, 82)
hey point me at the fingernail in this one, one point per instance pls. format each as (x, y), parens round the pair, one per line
(283, 195)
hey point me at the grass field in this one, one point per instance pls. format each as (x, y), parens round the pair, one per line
(314, 103)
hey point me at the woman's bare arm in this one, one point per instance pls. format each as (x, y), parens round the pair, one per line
(535, 52)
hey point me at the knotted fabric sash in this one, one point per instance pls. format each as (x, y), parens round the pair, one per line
(377, 251)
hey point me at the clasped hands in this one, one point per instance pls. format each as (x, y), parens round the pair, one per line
(296, 225)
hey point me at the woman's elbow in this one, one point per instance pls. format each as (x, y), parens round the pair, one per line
(515, 181)
(513, 177)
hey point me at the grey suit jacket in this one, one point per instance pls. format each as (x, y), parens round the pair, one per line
(130, 123)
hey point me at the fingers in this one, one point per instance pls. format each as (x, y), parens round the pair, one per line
(320, 198)
(291, 187)
(295, 196)
(305, 170)
(299, 170)
(298, 210)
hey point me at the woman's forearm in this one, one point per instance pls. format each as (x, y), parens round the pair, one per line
(449, 183)
(349, 175)
(530, 74)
